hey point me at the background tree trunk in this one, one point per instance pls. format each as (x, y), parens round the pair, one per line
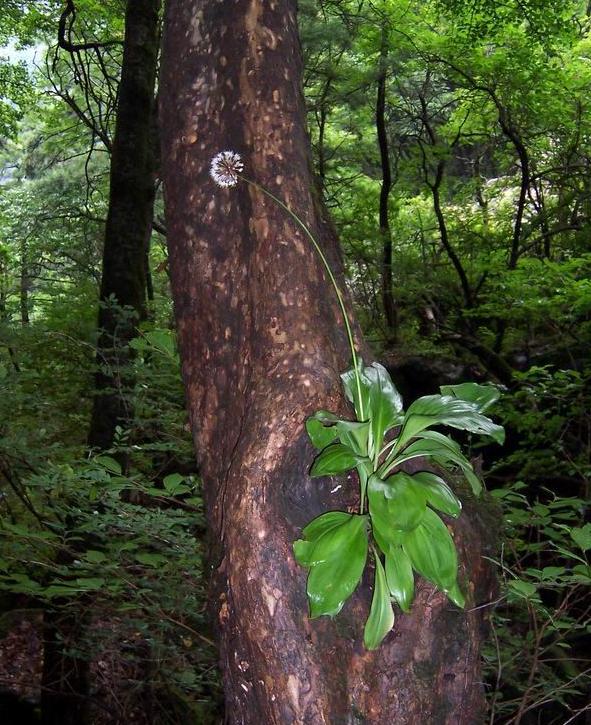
(65, 678)
(389, 304)
(129, 220)
(262, 347)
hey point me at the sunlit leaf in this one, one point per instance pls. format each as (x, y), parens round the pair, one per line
(446, 410)
(482, 396)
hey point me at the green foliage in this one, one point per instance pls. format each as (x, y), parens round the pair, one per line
(401, 518)
(537, 660)
(92, 538)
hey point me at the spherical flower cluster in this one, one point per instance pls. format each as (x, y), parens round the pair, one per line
(225, 168)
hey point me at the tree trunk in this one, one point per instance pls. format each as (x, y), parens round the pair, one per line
(129, 221)
(65, 679)
(390, 311)
(262, 346)
(24, 285)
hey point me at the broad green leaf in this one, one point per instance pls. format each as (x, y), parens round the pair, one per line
(432, 551)
(109, 463)
(383, 531)
(582, 573)
(406, 501)
(334, 459)
(439, 495)
(172, 482)
(582, 536)
(355, 435)
(302, 551)
(321, 435)
(61, 590)
(400, 577)
(334, 540)
(150, 559)
(442, 450)
(446, 410)
(95, 557)
(331, 583)
(523, 589)
(322, 523)
(349, 379)
(163, 341)
(87, 583)
(385, 404)
(483, 396)
(324, 528)
(381, 614)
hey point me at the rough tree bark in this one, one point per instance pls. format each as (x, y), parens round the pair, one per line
(262, 346)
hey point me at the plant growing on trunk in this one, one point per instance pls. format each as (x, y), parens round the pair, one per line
(399, 517)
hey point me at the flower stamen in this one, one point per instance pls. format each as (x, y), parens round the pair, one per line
(225, 168)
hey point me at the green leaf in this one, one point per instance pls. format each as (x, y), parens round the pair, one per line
(406, 502)
(438, 494)
(582, 536)
(163, 341)
(355, 435)
(150, 559)
(442, 450)
(400, 577)
(456, 595)
(334, 459)
(432, 551)
(523, 589)
(330, 528)
(302, 551)
(482, 396)
(385, 404)
(322, 523)
(446, 410)
(381, 614)
(95, 557)
(88, 583)
(321, 435)
(381, 520)
(352, 391)
(109, 463)
(172, 482)
(332, 582)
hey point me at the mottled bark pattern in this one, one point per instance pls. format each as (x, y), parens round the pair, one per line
(262, 347)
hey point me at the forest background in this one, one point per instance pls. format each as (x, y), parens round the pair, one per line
(452, 148)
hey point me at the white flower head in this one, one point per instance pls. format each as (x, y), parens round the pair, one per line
(225, 167)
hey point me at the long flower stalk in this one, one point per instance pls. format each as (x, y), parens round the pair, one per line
(226, 169)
